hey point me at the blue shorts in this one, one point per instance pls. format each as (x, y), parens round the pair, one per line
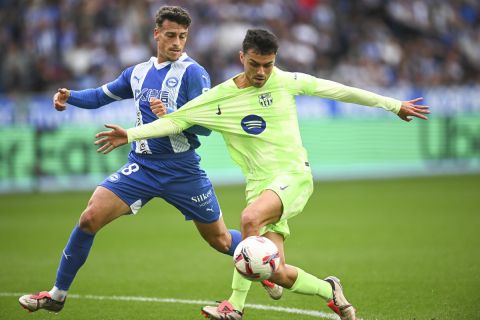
(177, 178)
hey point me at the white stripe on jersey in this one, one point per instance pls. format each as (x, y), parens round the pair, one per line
(171, 84)
(136, 80)
(109, 93)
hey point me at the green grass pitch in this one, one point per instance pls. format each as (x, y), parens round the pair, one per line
(404, 249)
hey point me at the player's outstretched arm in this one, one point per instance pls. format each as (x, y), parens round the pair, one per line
(109, 140)
(60, 99)
(410, 109)
(118, 136)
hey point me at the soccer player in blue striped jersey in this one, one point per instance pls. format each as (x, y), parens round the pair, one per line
(164, 167)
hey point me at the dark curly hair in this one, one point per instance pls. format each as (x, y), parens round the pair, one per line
(173, 13)
(261, 41)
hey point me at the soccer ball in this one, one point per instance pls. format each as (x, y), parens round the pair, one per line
(256, 258)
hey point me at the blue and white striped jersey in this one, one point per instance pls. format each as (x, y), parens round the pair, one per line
(175, 83)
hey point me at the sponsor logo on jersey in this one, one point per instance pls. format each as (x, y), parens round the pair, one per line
(203, 199)
(265, 99)
(253, 124)
(146, 94)
(171, 82)
(164, 97)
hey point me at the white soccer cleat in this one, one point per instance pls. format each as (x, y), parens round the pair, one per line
(41, 300)
(224, 311)
(339, 303)
(274, 290)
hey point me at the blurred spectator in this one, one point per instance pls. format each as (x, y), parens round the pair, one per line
(77, 43)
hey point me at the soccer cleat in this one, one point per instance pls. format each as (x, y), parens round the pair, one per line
(224, 311)
(41, 300)
(274, 290)
(339, 303)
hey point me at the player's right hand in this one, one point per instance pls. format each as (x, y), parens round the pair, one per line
(60, 99)
(157, 107)
(411, 109)
(109, 140)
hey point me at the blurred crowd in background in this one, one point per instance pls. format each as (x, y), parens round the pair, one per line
(47, 44)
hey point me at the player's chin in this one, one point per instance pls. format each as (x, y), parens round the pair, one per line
(174, 55)
(258, 82)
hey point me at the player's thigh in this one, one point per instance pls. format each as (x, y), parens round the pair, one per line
(103, 207)
(294, 190)
(267, 208)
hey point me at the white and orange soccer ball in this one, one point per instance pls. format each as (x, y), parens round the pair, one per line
(256, 258)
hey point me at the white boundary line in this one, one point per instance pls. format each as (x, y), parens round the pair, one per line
(312, 313)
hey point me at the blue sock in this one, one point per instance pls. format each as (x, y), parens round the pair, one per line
(74, 256)
(236, 238)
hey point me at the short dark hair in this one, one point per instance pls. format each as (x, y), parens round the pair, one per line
(261, 41)
(173, 13)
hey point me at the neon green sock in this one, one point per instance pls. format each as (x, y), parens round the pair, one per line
(240, 287)
(311, 285)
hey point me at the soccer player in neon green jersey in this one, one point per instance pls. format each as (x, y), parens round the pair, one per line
(255, 112)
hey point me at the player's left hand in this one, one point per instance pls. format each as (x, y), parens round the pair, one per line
(157, 107)
(110, 140)
(410, 109)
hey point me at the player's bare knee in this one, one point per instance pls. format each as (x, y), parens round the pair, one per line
(89, 220)
(250, 223)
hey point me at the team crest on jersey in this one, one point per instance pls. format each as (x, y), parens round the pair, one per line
(171, 82)
(265, 99)
(114, 178)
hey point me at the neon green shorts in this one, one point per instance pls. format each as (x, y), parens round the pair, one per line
(293, 189)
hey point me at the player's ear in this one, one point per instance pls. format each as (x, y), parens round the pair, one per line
(156, 33)
(242, 56)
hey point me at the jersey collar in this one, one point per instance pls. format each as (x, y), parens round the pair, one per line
(159, 66)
